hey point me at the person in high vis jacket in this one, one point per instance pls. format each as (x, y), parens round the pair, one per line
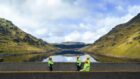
(78, 63)
(88, 60)
(50, 64)
(86, 66)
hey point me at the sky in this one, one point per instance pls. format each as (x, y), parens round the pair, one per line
(57, 21)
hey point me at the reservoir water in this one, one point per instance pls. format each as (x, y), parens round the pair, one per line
(69, 56)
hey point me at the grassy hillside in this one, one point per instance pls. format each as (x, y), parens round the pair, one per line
(15, 41)
(122, 42)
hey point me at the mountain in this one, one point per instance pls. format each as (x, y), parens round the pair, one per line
(73, 43)
(14, 40)
(121, 44)
(70, 45)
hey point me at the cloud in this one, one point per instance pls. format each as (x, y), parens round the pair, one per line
(68, 20)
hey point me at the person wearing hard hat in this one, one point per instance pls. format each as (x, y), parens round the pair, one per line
(88, 60)
(50, 64)
(78, 63)
(86, 66)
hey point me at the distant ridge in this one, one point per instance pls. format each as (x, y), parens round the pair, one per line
(70, 45)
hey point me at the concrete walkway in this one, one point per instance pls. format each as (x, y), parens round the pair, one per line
(67, 71)
(70, 75)
(95, 67)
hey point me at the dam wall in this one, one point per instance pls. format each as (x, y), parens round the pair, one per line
(98, 67)
(68, 71)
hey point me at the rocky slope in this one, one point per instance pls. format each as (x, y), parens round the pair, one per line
(14, 40)
(122, 42)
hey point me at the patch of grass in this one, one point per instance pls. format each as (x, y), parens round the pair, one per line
(14, 40)
(123, 41)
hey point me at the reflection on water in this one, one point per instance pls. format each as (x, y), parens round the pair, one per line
(64, 58)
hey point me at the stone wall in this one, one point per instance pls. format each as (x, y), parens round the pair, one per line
(95, 67)
(67, 71)
(70, 75)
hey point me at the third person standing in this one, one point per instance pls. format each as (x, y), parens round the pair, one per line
(78, 63)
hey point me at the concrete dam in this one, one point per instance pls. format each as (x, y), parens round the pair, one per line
(68, 71)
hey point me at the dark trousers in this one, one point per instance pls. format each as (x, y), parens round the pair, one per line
(51, 67)
(78, 67)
